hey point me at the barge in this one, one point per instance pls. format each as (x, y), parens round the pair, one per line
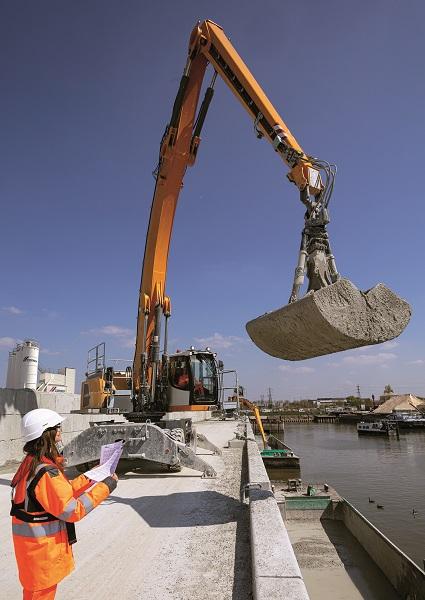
(340, 553)
(279, 455)
(376, 428)
(280, 458)
(404, 421)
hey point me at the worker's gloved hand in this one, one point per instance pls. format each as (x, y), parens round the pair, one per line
(111, 482)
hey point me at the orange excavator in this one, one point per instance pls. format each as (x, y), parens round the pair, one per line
(333, 316)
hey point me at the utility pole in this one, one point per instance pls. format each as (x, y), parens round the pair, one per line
(270, 399)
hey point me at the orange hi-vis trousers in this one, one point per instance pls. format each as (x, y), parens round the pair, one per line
(47, 594)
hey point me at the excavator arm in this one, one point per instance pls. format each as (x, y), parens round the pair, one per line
(254, 408)
(178, 150)
(209, 40)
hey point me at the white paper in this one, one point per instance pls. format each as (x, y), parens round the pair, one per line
(109, 457)
(109, 450)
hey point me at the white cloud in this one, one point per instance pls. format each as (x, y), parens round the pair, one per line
(419, 361)
(389, 345)
(49, 352)
(7, 342)
(289, 369)
(113, 330)
(123, 335)
(369, 359)
(356, 358)
(128, 343)
(12, 310)
(50, 314)
(219, 341)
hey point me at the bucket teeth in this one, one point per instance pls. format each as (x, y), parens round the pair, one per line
(335, 318)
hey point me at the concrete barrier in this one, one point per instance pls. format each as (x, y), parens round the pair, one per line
(405, 576)
(16, 403)
(276, 574)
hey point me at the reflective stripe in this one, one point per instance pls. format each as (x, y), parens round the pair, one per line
(50, 469)
(69, 509)
(29, 480)
(86, 502)
(36, 531)
(38, 468)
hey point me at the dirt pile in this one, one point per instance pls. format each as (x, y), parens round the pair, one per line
(335, 318)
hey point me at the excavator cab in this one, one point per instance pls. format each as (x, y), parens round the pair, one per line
(193, 380)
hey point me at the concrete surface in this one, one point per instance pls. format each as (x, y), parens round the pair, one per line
(158, 537)
(276, 574)
(195, 415)
(257, 473)
(332, 319)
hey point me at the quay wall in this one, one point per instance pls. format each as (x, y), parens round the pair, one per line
(297, 418)
(16, 403)
(275, 571)
(405, 576)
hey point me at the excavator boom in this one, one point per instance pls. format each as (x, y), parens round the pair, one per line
(179, 146)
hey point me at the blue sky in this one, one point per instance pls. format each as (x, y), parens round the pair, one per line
(86, 91)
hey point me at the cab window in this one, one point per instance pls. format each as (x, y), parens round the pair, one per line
(179, 374)
(204, 377)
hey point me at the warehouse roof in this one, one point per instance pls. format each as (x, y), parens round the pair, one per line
(403, 402)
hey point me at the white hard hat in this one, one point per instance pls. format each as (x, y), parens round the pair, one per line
(38, 420)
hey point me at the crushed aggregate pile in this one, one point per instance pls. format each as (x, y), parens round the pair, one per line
(335, 318)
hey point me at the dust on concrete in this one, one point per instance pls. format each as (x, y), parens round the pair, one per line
(218, 558)
(11, 466)
(313, 553)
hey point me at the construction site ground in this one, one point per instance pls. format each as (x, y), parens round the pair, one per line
(158, 536)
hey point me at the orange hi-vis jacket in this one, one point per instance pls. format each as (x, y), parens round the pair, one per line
(42, 548)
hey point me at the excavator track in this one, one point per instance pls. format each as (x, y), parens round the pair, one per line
(333, 319)
(143, 441)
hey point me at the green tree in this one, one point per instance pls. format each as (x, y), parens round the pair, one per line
(388, 390)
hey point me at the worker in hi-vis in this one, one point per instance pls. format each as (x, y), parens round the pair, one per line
(45, 505)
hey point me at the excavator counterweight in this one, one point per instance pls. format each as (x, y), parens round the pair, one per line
(332, 319)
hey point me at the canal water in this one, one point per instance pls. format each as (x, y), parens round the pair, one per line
(389, 471)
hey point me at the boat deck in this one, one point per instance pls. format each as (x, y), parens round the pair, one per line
(333, 563)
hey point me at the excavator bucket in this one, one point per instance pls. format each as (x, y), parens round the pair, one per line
(332, 319)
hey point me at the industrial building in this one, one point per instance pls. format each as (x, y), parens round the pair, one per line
(402, 403)
(24, 371)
